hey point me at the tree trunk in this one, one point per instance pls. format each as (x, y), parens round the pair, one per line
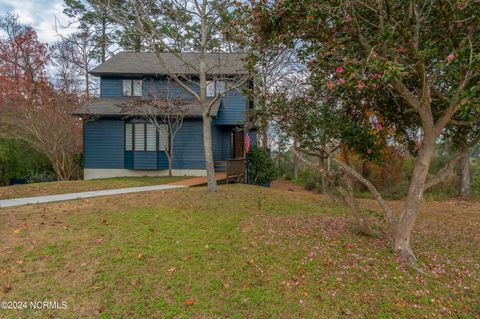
(295, 163)
(87, 83)
(103, 46)
(465, 179)
(170, 153)
(207, 144)
(264, 139)
(411, 208)
(351, 202)
(170, 164)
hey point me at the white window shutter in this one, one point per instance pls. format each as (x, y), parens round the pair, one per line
(127, 87)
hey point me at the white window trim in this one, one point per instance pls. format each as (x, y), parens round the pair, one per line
(128, 137)
(163, 138)
(137, 85)
(211, 89)
(129, 85)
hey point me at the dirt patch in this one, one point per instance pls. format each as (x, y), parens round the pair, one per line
(284, 185)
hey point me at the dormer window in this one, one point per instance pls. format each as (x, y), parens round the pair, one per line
(132, 88)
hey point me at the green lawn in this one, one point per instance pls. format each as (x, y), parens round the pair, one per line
(52, 188)
(244, 252)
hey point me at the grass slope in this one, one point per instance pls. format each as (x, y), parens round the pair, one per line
(51, 188)
(244, 252)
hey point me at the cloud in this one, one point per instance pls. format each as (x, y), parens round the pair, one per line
(45, 16)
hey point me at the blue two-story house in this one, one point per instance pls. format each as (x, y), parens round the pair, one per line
(121, 144)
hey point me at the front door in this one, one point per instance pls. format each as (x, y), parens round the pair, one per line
(237, 144)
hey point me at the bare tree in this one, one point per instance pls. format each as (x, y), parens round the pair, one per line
(77, 52)
(177, 26)
(66, 68)
(46, 124)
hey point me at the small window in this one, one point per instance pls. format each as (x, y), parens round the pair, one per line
(151, 137)
(210, 88)
(132, 87)
(129, 137)
(137, 87)
(127, 88)
(139, 137)
(220, 87)
(163, 138)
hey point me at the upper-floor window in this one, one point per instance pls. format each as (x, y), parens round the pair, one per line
(214, 87)
(132, 87)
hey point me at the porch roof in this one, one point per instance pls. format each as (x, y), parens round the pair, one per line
(116, 107)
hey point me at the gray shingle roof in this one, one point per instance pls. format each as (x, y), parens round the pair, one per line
(147, 63)
(115, 107)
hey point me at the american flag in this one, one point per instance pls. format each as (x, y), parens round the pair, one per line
(247, 143)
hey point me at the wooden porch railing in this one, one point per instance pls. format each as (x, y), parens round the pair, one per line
(234, 168)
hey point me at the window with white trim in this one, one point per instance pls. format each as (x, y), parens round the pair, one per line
(132, 87)
(163, 137)
(220, 86)
(129, 137)
(139, 137)
(151, 138)
(210, 88)
(142, 137)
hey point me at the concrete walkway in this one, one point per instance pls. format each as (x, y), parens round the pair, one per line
(63, 197)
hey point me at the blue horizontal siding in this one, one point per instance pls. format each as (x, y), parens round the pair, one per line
(168, 89)
(104, 147)
(129, 160)
(233, 105)
(233, 109)
(110, 87)
(145, 160)
(188, 146)
(104, 144)
(162, 160)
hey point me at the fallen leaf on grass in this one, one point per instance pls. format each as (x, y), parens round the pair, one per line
(99, 241)
(99, 310)
(140, 256)
(189, 302)
(6, 290)
(20, 262)
(17, 231)
(172, 270)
